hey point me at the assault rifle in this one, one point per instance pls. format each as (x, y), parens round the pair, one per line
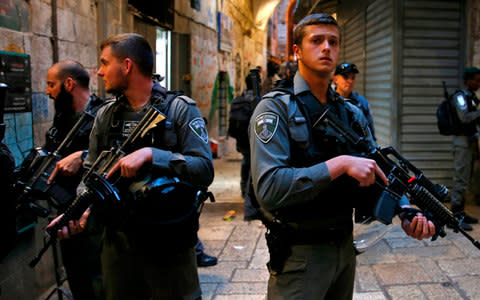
(404, 179)
(34, 182)
(98, 188)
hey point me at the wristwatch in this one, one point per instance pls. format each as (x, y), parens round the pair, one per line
(84, 155)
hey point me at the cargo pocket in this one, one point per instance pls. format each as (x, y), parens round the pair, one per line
(169, 136)
(293, 264)
(297, 127)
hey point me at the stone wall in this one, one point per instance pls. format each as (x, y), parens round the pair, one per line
(474, 33)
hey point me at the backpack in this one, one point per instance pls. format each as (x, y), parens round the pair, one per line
(241, 109)
(447, 120)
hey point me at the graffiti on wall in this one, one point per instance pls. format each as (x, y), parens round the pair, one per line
(15, 15)
(204, 69)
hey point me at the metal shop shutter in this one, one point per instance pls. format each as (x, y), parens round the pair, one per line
(433, 52)
(379, 67)
(353, 48)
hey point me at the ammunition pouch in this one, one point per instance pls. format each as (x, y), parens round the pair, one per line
(376, 203)
(168, 207)
(165, 200)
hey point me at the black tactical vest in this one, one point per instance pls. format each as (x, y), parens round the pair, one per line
(310, 145)
(123, 121)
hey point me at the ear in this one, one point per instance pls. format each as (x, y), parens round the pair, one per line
(297, 51)
(128, 65)
(69, 84)
(335, 78)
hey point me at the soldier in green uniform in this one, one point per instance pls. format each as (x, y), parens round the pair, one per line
(304, 176)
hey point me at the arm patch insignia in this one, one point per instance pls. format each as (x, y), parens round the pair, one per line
(266, 125)
(197, 125)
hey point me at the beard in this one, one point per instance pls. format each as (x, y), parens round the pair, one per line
(64, 112)
(63, 102)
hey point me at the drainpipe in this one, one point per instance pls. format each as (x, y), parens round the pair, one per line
(54, 38)
(289, 22)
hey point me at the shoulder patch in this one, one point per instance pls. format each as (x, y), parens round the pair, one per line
(198, 126)
(265, 126)
(461, 100)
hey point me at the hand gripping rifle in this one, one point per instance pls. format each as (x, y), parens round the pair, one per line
(42, 166)
(404, 178)
(98, 188)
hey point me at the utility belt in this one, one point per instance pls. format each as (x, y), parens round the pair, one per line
(307, 237)
(281, 236)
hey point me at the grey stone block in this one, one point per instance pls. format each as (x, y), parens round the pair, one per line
(469, 286)
(379, 253)
(250, 275)
(365, 279)
(411, 292)
(259, 259)
(430, 266)
(460, 267)
(369, 296)
(400, 273)
(66, 25)
(41, 60)
(216, 232)
(238, 250)
(41, 18)
(42, 111)
(254, 288)
(444, 252)
(439, 292)
(220, 273)
(208, 290)
(247, 231)
(402, 242)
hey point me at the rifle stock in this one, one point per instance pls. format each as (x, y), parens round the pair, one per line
(404, 179)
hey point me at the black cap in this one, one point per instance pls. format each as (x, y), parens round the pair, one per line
(345, 68)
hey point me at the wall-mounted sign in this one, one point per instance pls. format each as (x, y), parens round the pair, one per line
(225, 32)
(15, 72)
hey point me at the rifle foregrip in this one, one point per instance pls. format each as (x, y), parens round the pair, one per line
(73, 212)
(423, 199)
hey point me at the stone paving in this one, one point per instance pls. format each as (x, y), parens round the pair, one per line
(397, 267)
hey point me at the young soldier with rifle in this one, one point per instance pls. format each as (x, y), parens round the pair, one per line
(308, 179)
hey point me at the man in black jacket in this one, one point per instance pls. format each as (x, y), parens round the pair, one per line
(68, 87)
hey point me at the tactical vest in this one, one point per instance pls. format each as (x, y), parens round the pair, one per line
(331, 210)
(123, 120)
(174, 220)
